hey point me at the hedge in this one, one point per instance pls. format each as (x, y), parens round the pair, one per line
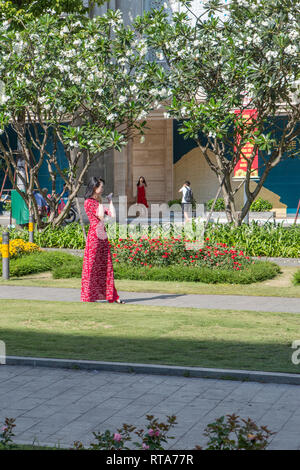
(257, 272)
(296, 279)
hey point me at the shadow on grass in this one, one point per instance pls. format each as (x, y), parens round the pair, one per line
(273, 357)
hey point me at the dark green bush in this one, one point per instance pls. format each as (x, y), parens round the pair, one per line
(69, 270)
(254, 239)
(39, 262)
(296, 279)
(219, 206)
(257, 272)
(261, 205)
(178, 201)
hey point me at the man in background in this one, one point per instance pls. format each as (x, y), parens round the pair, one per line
(186, 200)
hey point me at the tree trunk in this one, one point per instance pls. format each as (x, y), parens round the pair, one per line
(80, 217)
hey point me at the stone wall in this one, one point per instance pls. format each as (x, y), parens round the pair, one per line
(153, 159)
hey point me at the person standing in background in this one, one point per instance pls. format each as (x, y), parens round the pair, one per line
(187, 199)
(141, 192)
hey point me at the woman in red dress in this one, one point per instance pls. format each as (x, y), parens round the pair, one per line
(141, 191)
(97, 281)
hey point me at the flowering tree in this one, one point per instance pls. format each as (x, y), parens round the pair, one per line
(220, 66)
(74, 82)
(20, 11)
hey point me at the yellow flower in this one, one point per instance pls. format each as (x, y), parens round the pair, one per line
(19, 247)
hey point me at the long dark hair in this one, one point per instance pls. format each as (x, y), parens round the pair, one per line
(144, 181)
(93, 183)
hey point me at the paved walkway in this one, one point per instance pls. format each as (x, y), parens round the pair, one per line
(231, 302)
(54, 406)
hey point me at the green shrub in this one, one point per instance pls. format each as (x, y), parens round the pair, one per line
(296, 279)
(219, 206)
(178, 201)
(69, 236)
(174, 201)
(71, 269)
(64, 265)
(257, 272)
(269, 239)
(39, 262)
(261, 205)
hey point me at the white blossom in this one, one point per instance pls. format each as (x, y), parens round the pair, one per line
(73, 143)
(65, 30)
(293, 34)
(142, 115)
(133, 88)
(5, 25)
(271, 54)
(143, 51)
(291, 50)
(112, 117)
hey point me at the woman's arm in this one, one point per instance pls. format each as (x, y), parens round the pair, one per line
(112, 209)
(100, 212)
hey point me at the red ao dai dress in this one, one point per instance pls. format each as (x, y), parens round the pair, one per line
(97, 281)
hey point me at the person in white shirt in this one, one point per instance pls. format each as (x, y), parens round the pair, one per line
(187, 197)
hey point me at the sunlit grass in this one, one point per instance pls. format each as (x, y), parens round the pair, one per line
(143, 334)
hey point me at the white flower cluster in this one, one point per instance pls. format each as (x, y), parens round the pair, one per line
(4, 98)
(70, 53)
(4, 26)
(291, 50)
(271, 55)
(73, 144)
(142, 115)
(112, 117)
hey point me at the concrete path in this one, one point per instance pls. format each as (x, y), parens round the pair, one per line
(60, 406)
(230, 302)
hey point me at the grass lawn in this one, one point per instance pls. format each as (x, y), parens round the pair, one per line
(280, 286)
(143, 334)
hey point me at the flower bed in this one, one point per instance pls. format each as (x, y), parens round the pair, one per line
(156, 252)
(19, 247)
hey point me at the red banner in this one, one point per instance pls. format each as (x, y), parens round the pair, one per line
(240, 169)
